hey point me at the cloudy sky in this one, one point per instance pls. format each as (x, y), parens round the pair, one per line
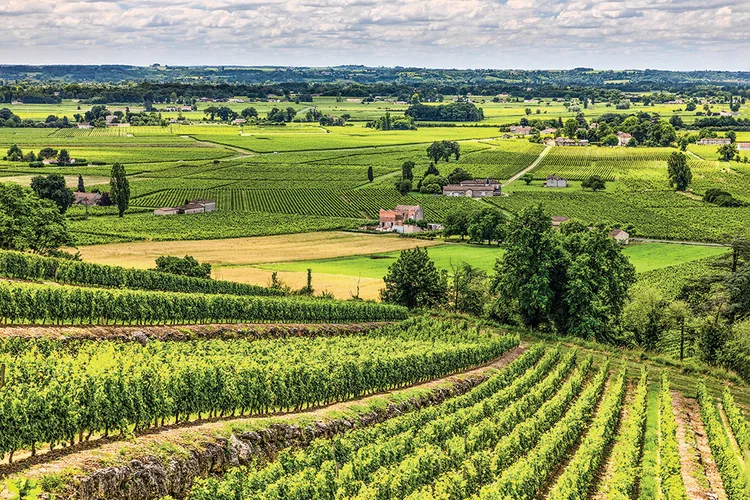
(665, 34)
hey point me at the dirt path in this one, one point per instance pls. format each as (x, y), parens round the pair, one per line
(530, 167)
(699, 471)
(607, 469)
(91, 455)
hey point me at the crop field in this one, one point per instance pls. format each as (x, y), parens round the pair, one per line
(609, 163)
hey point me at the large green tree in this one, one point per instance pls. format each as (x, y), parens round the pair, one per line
(487, 224)
(414, 281)
(680, 175)
(186, 266)
(52, 187)
(525, 275)
(119, 188)
(29, 223)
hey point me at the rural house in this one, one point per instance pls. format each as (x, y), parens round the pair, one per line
(714, 141)
(742, 146)
(516, 129)
(620, 236)
(474, 188)
(564, 141)
(559, 219)
(393, 220)
(555, 181)
(89, 199)
(548, 130)
(191, 207)
(624, 138)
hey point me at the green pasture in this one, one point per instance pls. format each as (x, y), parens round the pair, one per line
(645, 257)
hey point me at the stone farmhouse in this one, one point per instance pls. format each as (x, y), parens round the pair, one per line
(474, 188)
(559, 219)
(393, 220)
(516, 129)
(88, 199)
(564, 141)
(624, 138)
(620, 236)
(555, 181)
(714, 141)
(191, 207)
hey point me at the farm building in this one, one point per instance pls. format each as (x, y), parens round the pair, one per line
(85, 125)
(621, 236)
(555, 181)
(474, 188)
(743, 146)
(624, 138)
(89, 199)
(564, 141)
(239, 121)
(549, 130)
(559, 219)
(191, 207)
(516, 129)
(714, 141)
(393, 220)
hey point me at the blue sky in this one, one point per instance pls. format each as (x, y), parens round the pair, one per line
(664, 34)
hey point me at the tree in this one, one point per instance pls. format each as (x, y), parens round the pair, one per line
(610, 140)
(369, 174)
(527, 111)
(456, 223)
(53, 188)
(468, 289)
(14, 153)
(524, 279)
(29, 223)
(727, 152)
(678, 313)
(732, 136)
(81, 187)
(403, 186)
(527, 178)
(413, 281)
(570, 129)
(594, 183)
(407, 170)
(458, 175)
(680, 175)
(676, 121)
(119, 188)
(250, 112)
(63, 158)
(443, 150)
(47, 153)
(186, 266)
(644, 316)
(487, 225)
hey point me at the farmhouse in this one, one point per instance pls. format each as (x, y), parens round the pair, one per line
(186, 108)
(714, 141)
(549, 130)
(621, 236)
(474, 188)
(624, 138)
(191, 207)
(559, 219)
(239, 121)
(393, 220)
(743, 145)
(564, 141)
(89, 199)
(85, 125)
(555, 181)
(516, 129)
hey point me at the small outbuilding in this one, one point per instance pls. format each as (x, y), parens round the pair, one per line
(620, 236)
(555, 181)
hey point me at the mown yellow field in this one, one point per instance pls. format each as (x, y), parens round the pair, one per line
(246, 251)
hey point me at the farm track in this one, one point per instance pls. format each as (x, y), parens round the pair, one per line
(530, 167)
(88, 454)
(696, 461)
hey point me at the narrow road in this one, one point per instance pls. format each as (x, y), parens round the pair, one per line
(679, 242)
(530, 167)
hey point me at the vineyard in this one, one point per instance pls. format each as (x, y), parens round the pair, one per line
(609, 163)
(540, 428)
(87, 388)
(29, 304)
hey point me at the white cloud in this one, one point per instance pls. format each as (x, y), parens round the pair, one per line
(678, 34)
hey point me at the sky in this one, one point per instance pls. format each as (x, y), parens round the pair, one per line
(522, 34)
